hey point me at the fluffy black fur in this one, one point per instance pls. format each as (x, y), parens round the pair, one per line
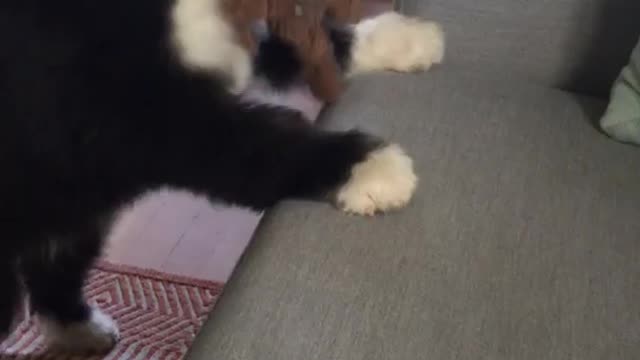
(342, 37)
(95, 110)
(278, 62)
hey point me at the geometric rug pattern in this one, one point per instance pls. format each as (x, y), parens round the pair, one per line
(158, 315)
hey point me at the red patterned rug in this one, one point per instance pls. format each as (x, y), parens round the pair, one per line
(158, 315)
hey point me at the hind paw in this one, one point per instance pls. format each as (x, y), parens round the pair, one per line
(98, 334)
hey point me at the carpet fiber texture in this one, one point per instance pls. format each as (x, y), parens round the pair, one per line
(158, 315)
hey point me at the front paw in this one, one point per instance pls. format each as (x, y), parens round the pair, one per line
(396, 42)
(384, 181)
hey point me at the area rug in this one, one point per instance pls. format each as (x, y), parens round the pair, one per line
(158, 315)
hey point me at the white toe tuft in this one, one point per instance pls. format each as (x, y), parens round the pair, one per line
(396, 42)
(384, 181)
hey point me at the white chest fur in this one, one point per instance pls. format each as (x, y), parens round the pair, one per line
(206, 41)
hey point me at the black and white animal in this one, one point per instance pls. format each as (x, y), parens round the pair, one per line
(102, 101)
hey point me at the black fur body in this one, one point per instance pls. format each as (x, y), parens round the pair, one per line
(96, 110)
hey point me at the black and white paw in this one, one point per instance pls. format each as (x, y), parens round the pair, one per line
(98, 334)
(395, 42)
(384, 181)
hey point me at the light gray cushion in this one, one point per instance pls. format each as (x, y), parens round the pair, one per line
(572, 44)
(522, 242)
(622, 118)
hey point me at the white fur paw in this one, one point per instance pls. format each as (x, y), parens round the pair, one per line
(395, 42)
(384, 181)
(97, 335)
